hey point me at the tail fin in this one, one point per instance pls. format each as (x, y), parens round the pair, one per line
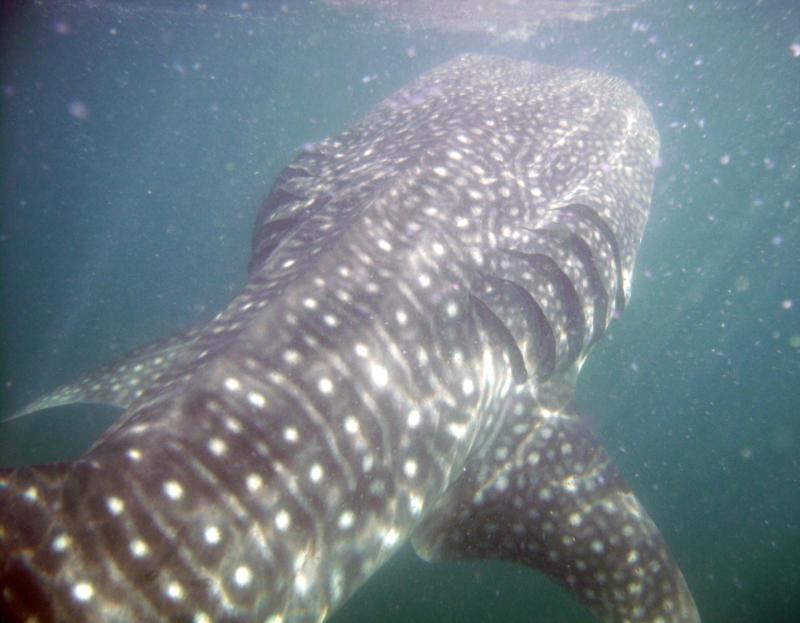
(29, 501)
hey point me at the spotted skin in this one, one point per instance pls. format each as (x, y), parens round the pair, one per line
(400, 365)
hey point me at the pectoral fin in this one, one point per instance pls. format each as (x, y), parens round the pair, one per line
(543, 493)
(120, 382)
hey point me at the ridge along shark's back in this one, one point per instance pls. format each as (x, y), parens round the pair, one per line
(423, 290)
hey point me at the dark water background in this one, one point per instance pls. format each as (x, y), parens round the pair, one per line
(139, 139)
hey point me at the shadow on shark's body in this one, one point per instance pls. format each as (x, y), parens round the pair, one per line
(423, 290)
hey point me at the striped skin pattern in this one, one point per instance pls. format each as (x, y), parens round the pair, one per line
(423, 290)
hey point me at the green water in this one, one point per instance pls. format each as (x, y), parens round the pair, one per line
(139, 139)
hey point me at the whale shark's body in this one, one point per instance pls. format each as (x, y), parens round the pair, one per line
(423, 289)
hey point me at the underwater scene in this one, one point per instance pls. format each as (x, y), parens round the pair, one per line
(141, 144)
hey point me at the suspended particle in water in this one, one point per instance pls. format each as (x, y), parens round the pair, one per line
(78, 109)
(61, 27)
(746, 454)
(742, 284)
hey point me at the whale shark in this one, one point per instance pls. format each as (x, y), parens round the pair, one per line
(400, 366)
